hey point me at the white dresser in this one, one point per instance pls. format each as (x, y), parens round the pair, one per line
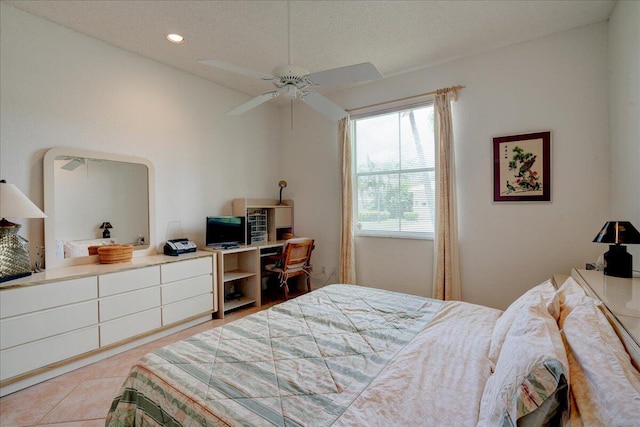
(59, 320)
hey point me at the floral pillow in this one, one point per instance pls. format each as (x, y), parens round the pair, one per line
(529, 385)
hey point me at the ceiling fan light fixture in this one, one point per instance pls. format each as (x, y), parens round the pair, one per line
(290, 91)
(175, 38)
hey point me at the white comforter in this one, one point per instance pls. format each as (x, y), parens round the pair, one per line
(438, 379)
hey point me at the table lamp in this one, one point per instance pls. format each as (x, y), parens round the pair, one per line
(282, 184)
(106, 226)
(14, 250)
(617, 261)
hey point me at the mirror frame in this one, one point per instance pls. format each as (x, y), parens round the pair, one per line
(50, 196)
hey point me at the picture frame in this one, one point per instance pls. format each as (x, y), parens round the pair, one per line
(522, 167)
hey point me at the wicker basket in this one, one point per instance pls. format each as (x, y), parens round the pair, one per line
(111, 254)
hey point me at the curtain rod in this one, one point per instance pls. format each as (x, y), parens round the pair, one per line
(453, 89)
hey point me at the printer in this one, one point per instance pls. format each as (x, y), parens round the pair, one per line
(176, 247)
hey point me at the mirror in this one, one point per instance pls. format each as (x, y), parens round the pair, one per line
(92, 199)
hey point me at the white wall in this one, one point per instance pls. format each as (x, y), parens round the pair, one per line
(61, 89)
(556, 83)
(624, 115)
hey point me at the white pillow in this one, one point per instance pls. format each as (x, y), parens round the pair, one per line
(77, 248)
(530, 383)
(545, 290)
(604, 383)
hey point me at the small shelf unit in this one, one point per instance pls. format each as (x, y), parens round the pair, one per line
(257, 230)
(273, 220)
(239, 276)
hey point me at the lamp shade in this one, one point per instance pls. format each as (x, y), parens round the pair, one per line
(14, 204)
(106, 225)
(618, 232)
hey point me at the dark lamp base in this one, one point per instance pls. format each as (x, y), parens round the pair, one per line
(618, 262)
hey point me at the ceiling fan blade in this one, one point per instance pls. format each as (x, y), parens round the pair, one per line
(253, 103)
(235, 69)
(345, 75)
(323, 105)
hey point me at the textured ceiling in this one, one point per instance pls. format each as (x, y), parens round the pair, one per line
(396, 36)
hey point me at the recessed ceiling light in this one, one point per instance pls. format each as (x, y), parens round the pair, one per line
(175, 38)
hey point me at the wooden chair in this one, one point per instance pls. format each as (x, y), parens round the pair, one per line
(292, 262)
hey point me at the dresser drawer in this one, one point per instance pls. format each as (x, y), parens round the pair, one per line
(34, 298)
(184, 309)
(31, 327)
(183, 289)
(181, 270)
(130, 280)
(129, 303)
(25, 358)
(129, 326)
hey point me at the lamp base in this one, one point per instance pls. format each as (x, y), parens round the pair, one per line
(14, 253)
(618, 262)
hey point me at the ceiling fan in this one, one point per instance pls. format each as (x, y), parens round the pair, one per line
(292, 81)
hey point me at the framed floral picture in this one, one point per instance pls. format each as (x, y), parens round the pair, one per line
(522, 168)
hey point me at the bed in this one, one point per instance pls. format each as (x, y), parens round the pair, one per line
(80, 248)
(347, 355)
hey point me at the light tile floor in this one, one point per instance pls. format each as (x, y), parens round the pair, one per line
(82, 397)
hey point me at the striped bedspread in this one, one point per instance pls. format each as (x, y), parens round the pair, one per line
(302, 362)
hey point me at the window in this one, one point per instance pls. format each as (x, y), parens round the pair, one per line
(395, 173)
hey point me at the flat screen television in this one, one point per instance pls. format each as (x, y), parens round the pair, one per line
(225, 230)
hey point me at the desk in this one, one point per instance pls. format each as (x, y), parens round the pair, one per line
(268, 248)
(621, 298)
(240, 274)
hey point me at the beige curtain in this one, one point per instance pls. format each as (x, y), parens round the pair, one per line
(347, 263)
(446, 278)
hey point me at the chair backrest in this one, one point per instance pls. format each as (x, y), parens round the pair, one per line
(297, 253)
